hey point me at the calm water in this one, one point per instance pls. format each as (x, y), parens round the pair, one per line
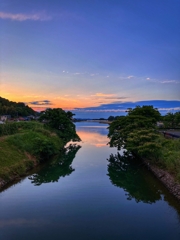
(89, 193)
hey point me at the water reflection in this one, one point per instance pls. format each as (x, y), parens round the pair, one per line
(126, 173)
(91, 127)
(93, 138)
(60, 167)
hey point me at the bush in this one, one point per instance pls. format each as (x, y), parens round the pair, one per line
(37, 144)
(8, 129)
(171, 156)
(44, 148)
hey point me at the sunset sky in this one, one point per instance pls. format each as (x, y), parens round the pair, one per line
(95, 57)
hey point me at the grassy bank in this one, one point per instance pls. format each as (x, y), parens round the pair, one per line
(169, 158)
(159, 151)
(23, 145)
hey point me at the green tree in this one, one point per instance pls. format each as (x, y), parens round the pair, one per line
(61, 122)
(136, 132)
(110, 118)
(177, 119)
(146, 111)
(145, 143)
(171, 120)
(14, 109)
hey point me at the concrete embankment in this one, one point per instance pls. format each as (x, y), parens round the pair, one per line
(166, 178)
(2, 183)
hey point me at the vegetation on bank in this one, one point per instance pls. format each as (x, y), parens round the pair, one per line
(29, 145)
(14, 109)
(170, 120)
(137, 133)
(25, 144)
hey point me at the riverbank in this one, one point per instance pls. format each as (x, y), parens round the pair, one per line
(29, 145)
(166, 178)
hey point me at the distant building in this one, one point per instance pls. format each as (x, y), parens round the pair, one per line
(5, 117)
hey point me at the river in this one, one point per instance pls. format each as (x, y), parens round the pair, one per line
(91, 192)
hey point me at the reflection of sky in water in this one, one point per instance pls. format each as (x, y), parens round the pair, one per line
(93, 134)
(91, 127)
(93, 138)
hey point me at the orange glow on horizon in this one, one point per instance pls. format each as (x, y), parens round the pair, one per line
(66, 103)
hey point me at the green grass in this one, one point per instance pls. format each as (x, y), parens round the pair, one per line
(170, 158)
(29, 144)
(12, 161)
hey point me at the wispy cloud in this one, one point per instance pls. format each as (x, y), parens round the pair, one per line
(170, 109)
(78, 73)
(41, 16)
(102, 95)
(128, 77)
(164, 81)
(107, 96)
(43, 102)
(131, 76)
(170, 81)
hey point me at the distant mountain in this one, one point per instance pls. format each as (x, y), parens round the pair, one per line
(14, 109)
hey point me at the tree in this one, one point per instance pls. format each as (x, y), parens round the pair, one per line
(144, 143)
(110, 118)
(14, 109)
(136, 132)
(61, 122)
(177, 119)
(171, 120)
(146, 111)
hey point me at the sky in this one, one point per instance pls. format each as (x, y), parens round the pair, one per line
(93, 57)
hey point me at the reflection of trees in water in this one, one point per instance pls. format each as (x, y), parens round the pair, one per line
(60, 167)
(126, 173)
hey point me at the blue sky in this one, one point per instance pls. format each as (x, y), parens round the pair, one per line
(87, 54)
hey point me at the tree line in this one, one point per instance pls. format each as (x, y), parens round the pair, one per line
(170, 120)
(14, 109)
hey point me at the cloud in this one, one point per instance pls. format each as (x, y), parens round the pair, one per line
(103, 95)
(107, 96)
(119, 108)
(170, 81)
(78, 73)
(41, 16)
(131, 76)
(43, 102)
(94, 74)
(116, 97)
(164, 81)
